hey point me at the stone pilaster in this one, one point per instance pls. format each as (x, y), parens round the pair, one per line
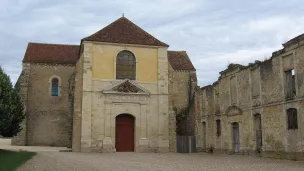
(107, 143)
(143, 141)
(87, 97)
(163, 101)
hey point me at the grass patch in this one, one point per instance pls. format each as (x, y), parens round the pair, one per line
(11, 160)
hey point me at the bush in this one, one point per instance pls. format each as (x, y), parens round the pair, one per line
(11, 108)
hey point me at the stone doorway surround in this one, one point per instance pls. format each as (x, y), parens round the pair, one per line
(236, 137)
(126, 97)
(258, 132)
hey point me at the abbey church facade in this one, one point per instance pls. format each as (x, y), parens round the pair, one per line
(110, 93)
(121, 89)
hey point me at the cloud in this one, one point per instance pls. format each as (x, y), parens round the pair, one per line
(214, 33)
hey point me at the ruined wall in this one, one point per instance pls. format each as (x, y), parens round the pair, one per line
(243, 93)
(205, 117)
(182, 85)
(172, 119)
(48, 120)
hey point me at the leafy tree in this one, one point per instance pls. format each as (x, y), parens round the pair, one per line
(11, 108)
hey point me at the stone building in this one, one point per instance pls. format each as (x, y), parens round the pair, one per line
(116, 91)
(121, 89)
(256, 109)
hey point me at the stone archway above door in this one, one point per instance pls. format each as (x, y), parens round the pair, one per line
(233, 111)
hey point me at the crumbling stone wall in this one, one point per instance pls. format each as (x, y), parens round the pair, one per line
(271, 81)
(182, 85)
(260, 89)
(206, 97)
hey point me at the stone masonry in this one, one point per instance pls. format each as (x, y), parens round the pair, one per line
(47, 121)
(255, 99)
(255, 109)
(94, 115)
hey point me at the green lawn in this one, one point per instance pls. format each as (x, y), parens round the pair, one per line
(10, 160)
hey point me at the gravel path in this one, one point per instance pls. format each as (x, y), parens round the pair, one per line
(67, 161)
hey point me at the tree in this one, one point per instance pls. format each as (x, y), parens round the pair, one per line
(11, 108)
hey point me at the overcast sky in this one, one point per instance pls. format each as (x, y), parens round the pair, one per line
(213, 32)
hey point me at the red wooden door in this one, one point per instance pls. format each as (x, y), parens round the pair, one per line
(124, 140)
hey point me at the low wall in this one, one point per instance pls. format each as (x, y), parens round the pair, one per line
(5, 141)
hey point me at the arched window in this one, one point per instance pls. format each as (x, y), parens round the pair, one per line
(125, 65)
(292, 118)
(55, 87)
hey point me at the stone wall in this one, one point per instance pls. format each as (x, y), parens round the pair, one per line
(22, 88)
(182, 85)
(260, 89)
(83, 115)
(71, 108)
(76, 138)
(172, 119)
(48, 121)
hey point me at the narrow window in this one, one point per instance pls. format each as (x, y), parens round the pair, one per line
(293, 84)
(218, 128)
(55, 89)
(290, 83)
(125, 65)
(292, 118)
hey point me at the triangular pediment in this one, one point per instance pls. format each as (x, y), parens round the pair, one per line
(126, 86)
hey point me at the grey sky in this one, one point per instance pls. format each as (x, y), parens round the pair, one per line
(213, 32)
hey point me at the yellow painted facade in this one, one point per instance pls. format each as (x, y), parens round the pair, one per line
(104, 62)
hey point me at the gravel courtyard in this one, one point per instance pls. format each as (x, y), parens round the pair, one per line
(67, 161)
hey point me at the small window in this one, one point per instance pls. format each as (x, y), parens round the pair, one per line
(55, 87)
(293, 84)
(125, 65)
(292, 118)
(218, 128)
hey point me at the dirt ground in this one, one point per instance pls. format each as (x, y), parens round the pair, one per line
(70, 161)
